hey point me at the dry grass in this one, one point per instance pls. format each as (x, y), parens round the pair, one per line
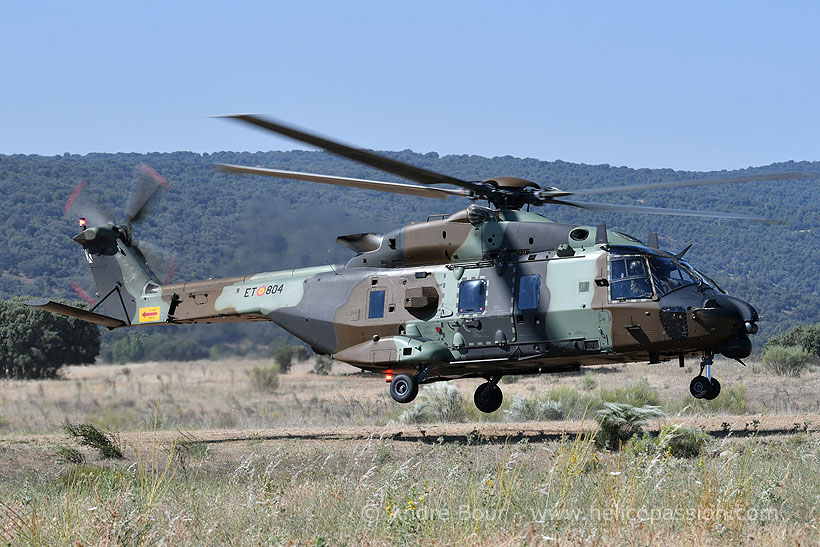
(220, 394)
(321, 461)
(381, 491)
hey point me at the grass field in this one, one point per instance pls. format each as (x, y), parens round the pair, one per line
(325, 460)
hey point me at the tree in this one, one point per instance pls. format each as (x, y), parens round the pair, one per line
(129, 349)
(36, 343)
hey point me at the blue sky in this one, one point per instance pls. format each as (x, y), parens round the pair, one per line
(698, 85)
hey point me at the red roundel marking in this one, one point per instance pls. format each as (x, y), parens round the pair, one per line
(260, 291)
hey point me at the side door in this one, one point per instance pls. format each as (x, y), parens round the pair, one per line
(486, 306)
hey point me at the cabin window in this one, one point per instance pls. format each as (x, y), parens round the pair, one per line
(376, 310)
(471, 296)
(629, 279)
(529, 292)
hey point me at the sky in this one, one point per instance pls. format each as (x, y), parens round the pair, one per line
(695, 85)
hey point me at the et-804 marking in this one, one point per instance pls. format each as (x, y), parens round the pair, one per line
(263, 290)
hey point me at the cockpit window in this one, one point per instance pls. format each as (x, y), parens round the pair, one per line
(670, 275)
(629, 279)
(635, 267)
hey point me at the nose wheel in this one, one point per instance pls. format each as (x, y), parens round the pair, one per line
(404, 388)
(705, 387)
(488, 397)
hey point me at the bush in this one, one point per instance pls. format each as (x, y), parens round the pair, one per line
(525, 410)
(618, 422)
(68, 454)
(574, 404)
(128, 349)
(804, 336)
(322, 364)
(440, 402)
(682, 442)
(107, 444)
(300, 353)
(786, 360)
(589, 382)
(638, 394)
(284, 358)
(641, 445)
(265, 378)
(162, 347)
(732, 400)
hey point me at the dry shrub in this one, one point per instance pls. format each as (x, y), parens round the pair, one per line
(265, 378)
(437, 403)
(787, 360)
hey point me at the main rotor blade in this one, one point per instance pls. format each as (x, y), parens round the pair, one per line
(615, 208)
(395, 167)
(397, 188)
(696, 182)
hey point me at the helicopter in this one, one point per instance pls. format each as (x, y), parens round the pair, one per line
(492, 290)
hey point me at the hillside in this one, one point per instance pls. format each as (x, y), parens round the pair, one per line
(219, 224)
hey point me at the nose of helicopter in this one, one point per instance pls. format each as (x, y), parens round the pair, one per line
(734, 317)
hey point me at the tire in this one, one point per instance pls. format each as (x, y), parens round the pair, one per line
(404, 388)
(488, 397)
(699, 387)
(714, 390)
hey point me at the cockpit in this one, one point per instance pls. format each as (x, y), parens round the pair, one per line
(637, 273)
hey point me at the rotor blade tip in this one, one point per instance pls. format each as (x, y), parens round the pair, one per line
(154, 174)
(234, 116)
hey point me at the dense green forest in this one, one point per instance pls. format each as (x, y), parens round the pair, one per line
(218, 224)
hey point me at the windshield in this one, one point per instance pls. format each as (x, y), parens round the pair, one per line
(699, 274)
(670, 275)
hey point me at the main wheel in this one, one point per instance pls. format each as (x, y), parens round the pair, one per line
(488, 397)
(404, 388)
(714, 390)
(699, 387)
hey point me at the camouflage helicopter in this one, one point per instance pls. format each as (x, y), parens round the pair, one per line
(488, 291)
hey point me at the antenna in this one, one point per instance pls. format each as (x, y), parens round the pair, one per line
(600, 235)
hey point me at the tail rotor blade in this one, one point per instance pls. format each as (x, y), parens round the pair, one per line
(149, 184)
(162, 261)
(82, 294)
(81, 204)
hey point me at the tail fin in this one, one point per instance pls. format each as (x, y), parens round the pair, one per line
(119, 268)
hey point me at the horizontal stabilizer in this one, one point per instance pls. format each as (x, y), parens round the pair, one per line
(77, 313)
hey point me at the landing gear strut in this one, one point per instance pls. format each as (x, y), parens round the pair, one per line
(488, 396)
(705, 387)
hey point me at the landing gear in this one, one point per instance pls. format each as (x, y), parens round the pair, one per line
(404, 388)
(705, 387)
(488, 396)
(699, 387)
(714, 390)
